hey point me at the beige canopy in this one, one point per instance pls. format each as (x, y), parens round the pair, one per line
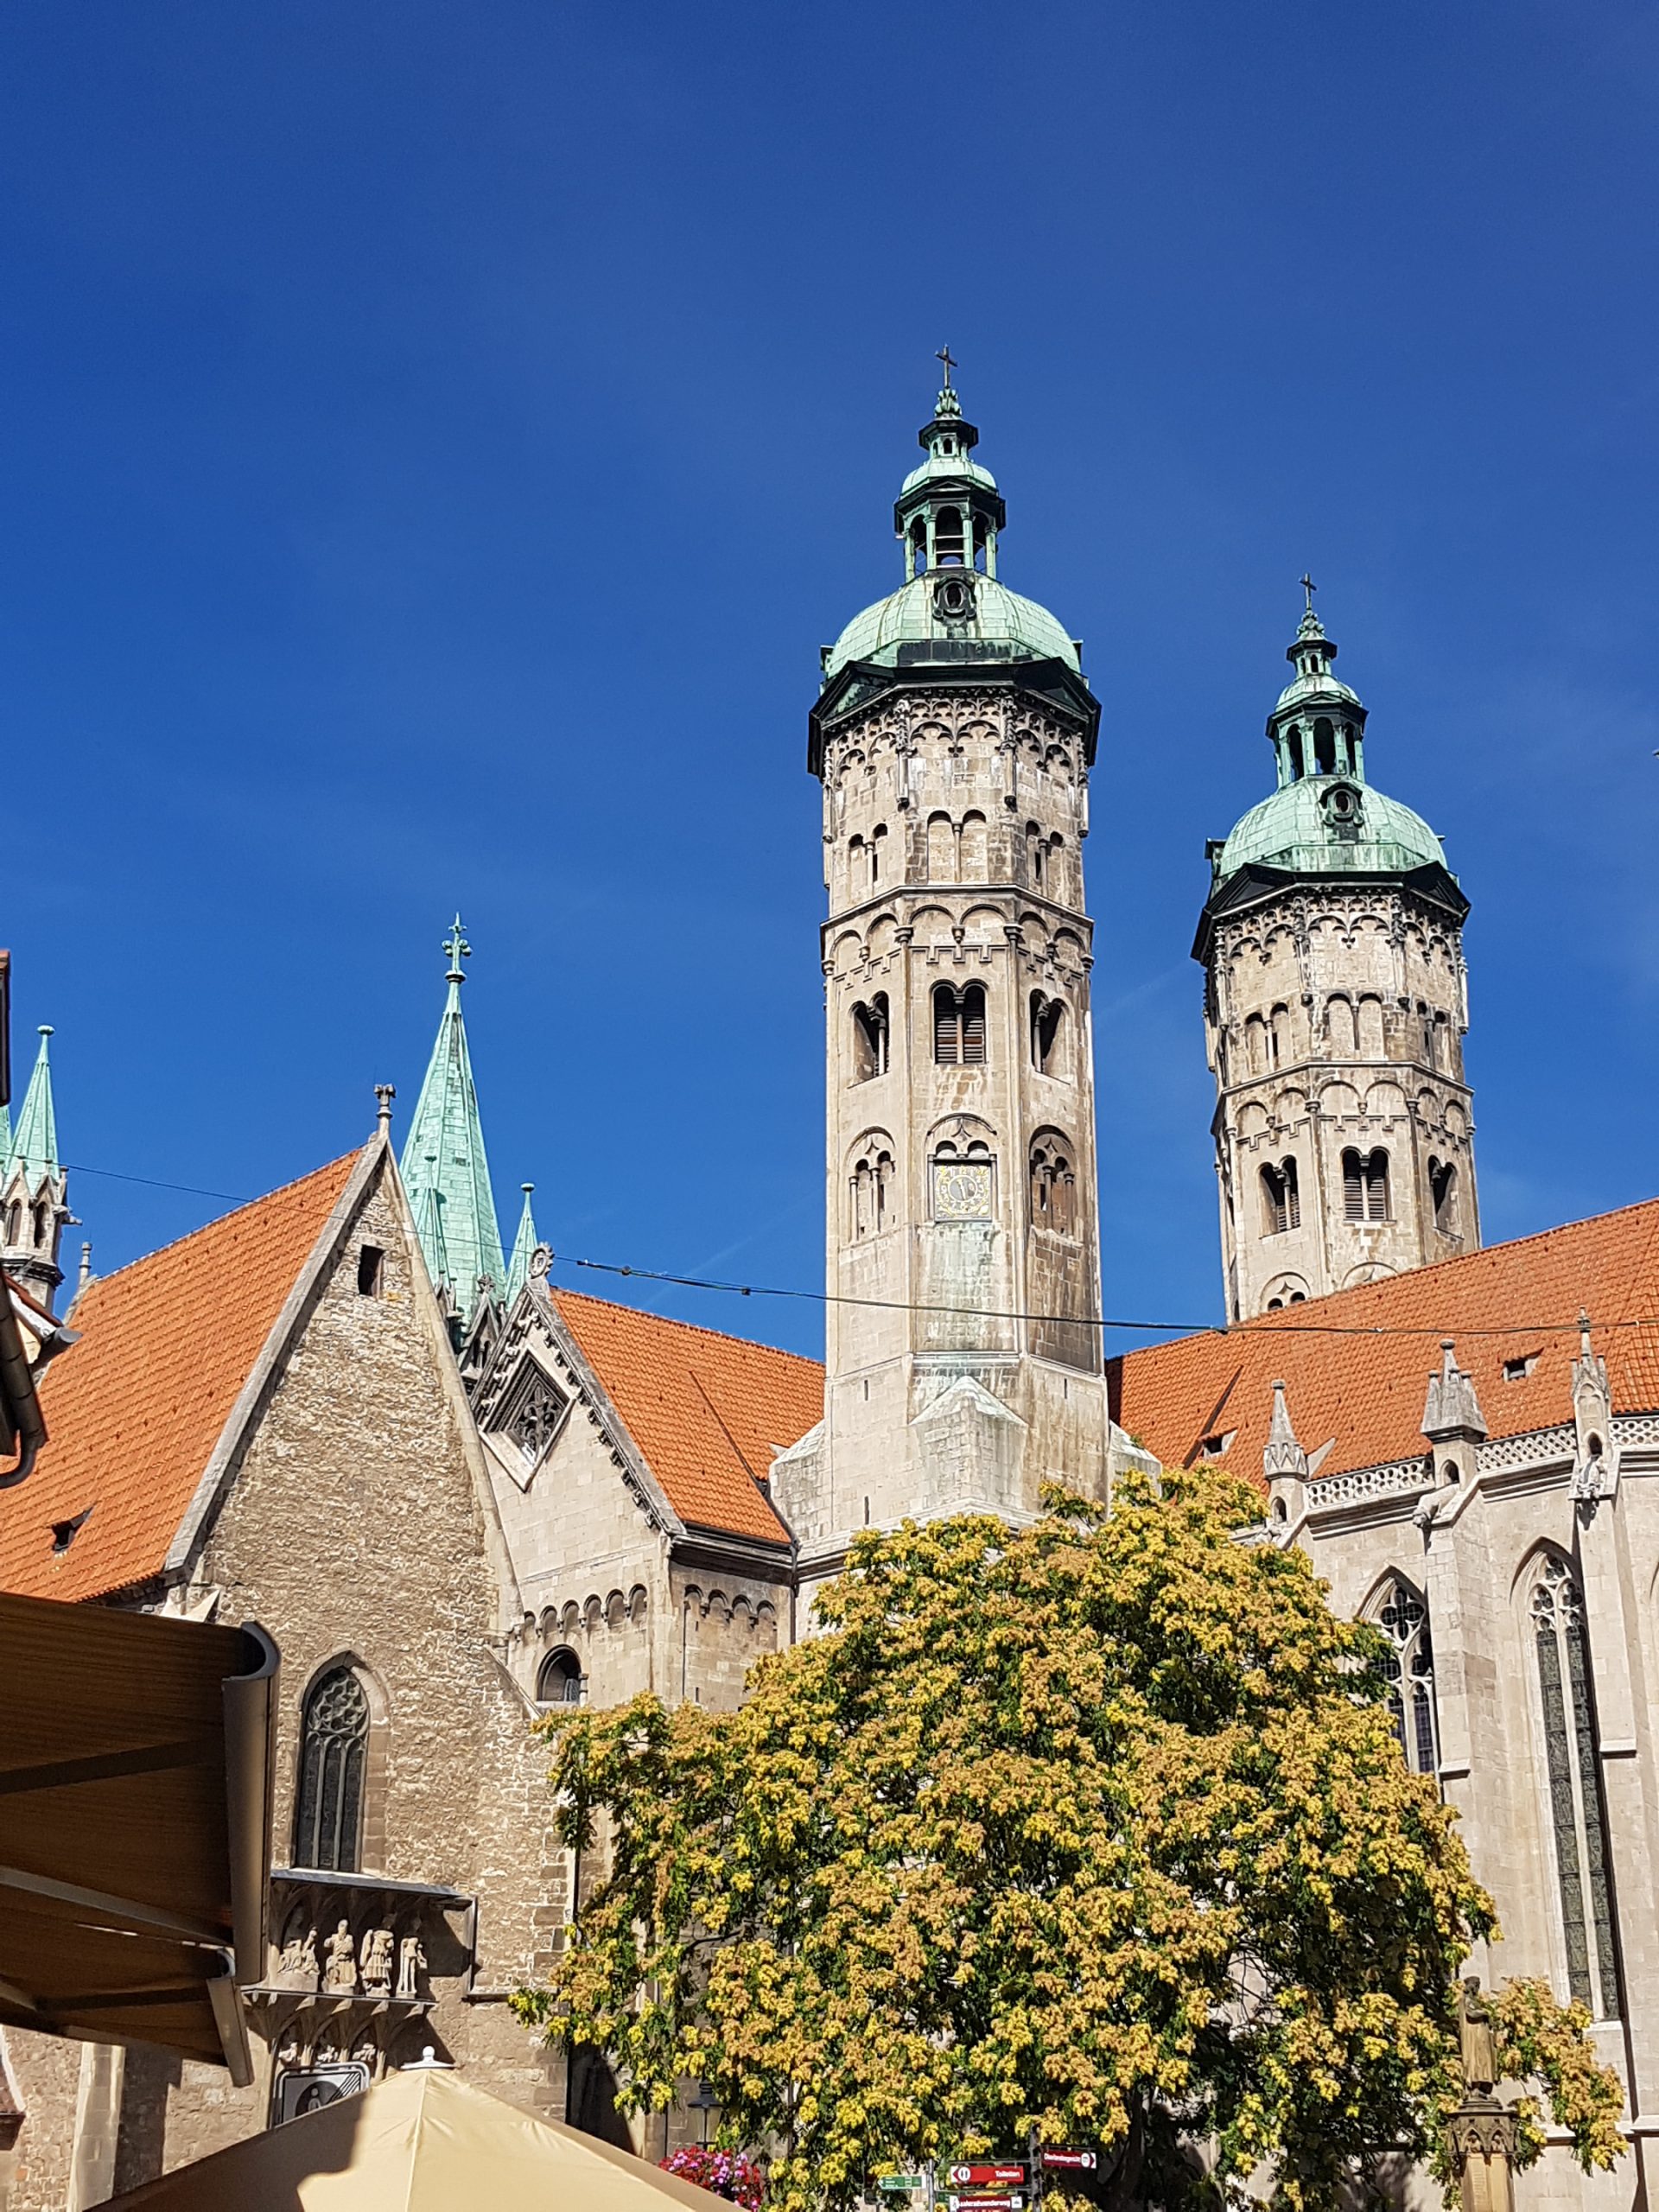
(421, 2141)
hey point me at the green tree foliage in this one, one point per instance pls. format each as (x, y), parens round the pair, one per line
(1094, 1831)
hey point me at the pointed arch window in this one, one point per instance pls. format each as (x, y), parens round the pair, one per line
(334, 1745)
(959, 1026)
(1365, 1185)
(1578, 1818)
(1408, 1669)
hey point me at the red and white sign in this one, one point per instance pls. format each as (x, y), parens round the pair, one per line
(1004, 2177)
(1070, 2162)
(978, 2200)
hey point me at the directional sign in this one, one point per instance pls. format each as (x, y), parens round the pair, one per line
(1009, 2175)
(1070, 2162)
(988, 2201)
(899, 2184)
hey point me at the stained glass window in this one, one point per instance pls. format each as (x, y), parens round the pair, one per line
(1577, 1818)
(1408, 1670)
(334, 1734)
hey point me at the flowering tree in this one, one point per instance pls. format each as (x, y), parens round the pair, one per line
(1094, 1832)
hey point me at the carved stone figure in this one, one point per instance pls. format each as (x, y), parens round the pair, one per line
(297, 1968)
(340, 1975)
(411, 1958)
(1477, 2047)
(376, 1960)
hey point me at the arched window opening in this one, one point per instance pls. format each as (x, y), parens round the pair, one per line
(1324, 747)
(334, 1742)
(941, 849)
(559, 1681)
(870, 1035)
(878, 846)
(1294, 743)
(1443, 1189)
(959, 1026)
(1036, 856)
(919, 547)
(42, 1223)
(1371, 1043)
(1281, 1202)
(1408, 1667)
(973, 852)
(1578, 1818)
(1278, 1035)
(1255, 1044)
(1046, 1015)
(1053, 1187)
(1350, 753)
(1339, 1028)
(14, 1221)
(858, 864)
(948, 541)
(1365, 1185)
(1275, 1306)
(1298, 1298)
(980, 533)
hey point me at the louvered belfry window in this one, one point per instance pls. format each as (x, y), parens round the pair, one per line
(334, 1735)
(1577, 1816)
(1365, 1185)
(959, 1026)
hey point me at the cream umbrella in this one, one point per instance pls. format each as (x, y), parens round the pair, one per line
(420, 2141)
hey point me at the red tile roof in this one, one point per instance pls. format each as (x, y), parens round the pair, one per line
(135, 1409)
(706, 1411)
(1364, 1393)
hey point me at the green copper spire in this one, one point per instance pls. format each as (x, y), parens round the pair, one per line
(444, 1168)
(522, 1245)
(36, 1144)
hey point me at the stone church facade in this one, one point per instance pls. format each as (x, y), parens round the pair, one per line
(459, 1496)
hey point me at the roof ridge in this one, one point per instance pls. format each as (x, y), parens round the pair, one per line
(1434, 1267)
(218, 1220)
(692, 1328)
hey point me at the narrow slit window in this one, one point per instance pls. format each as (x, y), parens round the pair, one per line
(371, 1269)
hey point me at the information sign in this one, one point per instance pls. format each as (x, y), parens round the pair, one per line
(1006, 2175)
(1070, 2162)
(901, 2185)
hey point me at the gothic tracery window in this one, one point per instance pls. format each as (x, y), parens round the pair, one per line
(1409, 1671)
(1578, 1820)
(334, 1740)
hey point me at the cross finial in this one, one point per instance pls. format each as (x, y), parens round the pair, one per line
(1310, 588)
(946, 355)
(384, 1094)
(456, 946)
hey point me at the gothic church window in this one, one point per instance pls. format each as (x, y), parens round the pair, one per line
(1053, 1187)
(870, 1034)
(1408, 1669)
(1578, 1820)
(1443, 1189)
(531, 1415)
(959, 1026)
(1365, 1185)
(1281, 1199)
(333, 1741)
(559, 1681)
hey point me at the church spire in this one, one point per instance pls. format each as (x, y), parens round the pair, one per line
(33, 1189)
(444, 1166)
(522, 1245)
(949, 511)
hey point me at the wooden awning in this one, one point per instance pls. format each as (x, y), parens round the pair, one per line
(136, 1775)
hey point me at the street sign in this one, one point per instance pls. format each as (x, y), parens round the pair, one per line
(1070, 2162)
(1007, 2175)
(901, 2183)
(987, 2201)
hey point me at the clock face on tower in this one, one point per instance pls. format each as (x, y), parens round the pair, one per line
(961, 1190)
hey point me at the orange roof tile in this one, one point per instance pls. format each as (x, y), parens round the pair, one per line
(134, 1410)
(1365, 1394)
(704, 1410)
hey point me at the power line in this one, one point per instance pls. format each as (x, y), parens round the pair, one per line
(1257, 1327)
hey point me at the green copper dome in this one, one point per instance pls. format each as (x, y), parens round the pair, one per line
(915, 615)
(1327, 825)
(949, 516)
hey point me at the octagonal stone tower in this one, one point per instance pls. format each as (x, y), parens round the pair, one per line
(1336, 1005)
(954, 734)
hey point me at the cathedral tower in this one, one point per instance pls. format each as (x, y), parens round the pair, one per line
(1335, 1008)
(953, 737)
(35, 1189)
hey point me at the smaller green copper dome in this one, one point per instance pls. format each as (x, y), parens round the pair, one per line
(1324, 825)
(1006, 626)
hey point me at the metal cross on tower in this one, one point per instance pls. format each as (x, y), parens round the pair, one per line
(457, 948)
(1310, 588)
(944, 355)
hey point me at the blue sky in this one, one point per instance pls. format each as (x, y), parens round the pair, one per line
(438, 439)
